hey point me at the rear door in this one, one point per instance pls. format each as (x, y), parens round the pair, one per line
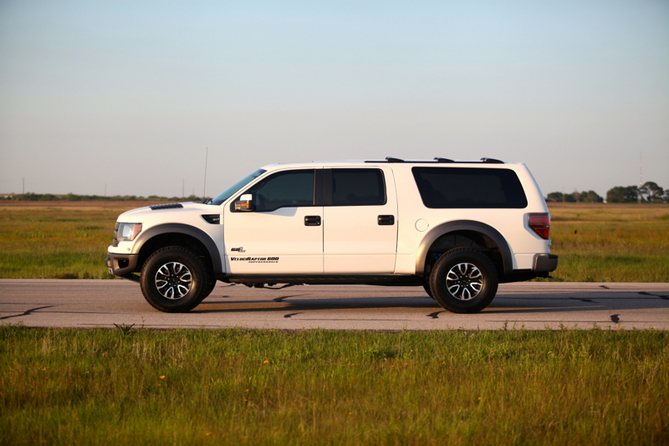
(359, 221)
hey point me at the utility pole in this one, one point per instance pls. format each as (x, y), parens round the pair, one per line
(204, 189)
(640, 174)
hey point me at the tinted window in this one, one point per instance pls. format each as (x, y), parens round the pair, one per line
(468, 188)
(235, 187)
(351, 187)
(284, 189)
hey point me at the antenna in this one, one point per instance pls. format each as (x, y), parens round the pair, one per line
(206, 158)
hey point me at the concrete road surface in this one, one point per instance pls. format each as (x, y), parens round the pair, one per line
(104, 303)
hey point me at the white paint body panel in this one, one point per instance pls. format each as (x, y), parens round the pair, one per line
(279, 237)
(189, 215)
(354, 242)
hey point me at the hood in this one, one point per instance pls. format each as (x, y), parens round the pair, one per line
(156, 210)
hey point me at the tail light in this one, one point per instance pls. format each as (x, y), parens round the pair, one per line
(541, 224)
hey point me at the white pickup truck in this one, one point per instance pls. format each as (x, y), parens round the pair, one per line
(456, 228)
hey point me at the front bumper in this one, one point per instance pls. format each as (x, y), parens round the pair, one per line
(121, 264)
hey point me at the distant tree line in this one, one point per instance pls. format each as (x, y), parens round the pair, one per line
(577, 197)
(649, 192)
(30, 196)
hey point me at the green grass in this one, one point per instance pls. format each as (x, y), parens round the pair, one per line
(595, 242)
(135, 386)
(611, 243)
(55, 241)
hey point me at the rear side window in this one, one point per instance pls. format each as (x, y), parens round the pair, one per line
(469, 188)
(358, 187)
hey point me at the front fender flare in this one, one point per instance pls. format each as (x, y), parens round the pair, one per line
(178, 228)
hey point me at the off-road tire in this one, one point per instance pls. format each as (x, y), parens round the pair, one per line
(212, 284)
(464, 280)
(426, 287)
(175, 280)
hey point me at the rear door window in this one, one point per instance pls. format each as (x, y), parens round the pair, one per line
(358, 187)
(469, 188)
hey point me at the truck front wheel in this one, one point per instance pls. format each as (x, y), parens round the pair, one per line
(175, 280)
(464, 280)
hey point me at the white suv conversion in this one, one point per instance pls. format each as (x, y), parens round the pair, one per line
(457, 228)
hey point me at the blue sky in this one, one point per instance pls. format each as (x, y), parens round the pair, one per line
(126, 96)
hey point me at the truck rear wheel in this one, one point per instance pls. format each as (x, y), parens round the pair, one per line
(464, 280)
(175, 280)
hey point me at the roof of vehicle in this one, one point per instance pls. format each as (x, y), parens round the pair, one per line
(389, 159)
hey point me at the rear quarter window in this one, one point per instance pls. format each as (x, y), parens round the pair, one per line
(469, 188)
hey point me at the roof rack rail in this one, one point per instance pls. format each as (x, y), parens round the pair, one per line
(443, 160)
(492, 161)
(390, 159)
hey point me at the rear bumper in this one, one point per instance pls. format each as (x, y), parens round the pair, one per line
(545, 263)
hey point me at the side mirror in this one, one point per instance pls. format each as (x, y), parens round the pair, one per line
(245, 203)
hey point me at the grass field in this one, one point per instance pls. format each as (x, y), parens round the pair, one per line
(191, 387)
(611, 242)
(66, 240)
(595, 242)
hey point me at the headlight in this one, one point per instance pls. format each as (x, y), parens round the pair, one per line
(128, 231)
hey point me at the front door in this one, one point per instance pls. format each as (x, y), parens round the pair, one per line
(283, 234)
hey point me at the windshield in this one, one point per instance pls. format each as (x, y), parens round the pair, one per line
(237, 186)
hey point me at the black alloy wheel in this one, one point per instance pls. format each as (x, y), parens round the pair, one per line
(464, 280)
(175, 280)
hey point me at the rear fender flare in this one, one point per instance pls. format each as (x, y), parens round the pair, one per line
(463, 225)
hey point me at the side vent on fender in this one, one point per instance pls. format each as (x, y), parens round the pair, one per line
(213, 219)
